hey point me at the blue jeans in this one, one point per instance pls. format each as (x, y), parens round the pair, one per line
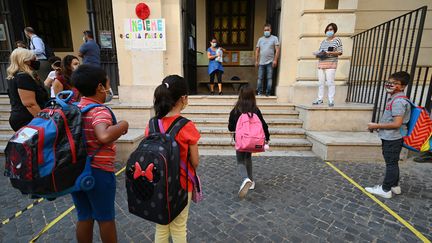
(269, 76)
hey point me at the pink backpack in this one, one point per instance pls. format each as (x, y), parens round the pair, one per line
(249, 134)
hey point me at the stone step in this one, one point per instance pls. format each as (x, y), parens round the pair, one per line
(228, 106)
(4, 97)
(269, 153)
(193, 99)
(192, 113)
(273, 122)
(277, 144)
(207, 131)
(127, 143)
(6, 130)
(346, 146)
(4, 120)
(4, 138)
(5, 112)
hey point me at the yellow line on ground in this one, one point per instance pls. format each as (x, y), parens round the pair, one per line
(384, 206)
(19, 213)
(61, 216)
(52, 223)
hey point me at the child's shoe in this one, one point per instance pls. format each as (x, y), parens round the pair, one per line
(377, 190)
(396, 190)
(253, 186)
(244, 188)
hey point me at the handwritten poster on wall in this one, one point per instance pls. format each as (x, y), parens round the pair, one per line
(148, 34)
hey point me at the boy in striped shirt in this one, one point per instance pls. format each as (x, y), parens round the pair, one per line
(100, 132)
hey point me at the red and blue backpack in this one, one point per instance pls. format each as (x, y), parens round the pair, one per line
(419, 132)
(48, 157)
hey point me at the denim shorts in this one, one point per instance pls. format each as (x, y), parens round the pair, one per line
(97, 203)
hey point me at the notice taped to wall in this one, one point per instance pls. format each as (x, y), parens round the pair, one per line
(148, 34)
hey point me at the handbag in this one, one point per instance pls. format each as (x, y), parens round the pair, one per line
(197, 194)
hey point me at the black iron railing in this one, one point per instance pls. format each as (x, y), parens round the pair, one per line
(421, 87)
(380, 51)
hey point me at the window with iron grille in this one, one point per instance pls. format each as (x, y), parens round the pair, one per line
(231, 23)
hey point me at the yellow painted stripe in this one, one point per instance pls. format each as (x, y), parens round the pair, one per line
(120, 171)
(385, 207)
(52, 223)
(61, 216)
(18, 213)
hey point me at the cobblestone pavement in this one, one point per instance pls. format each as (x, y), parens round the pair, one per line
(296, 200)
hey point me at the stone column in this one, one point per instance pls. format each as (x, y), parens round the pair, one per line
(303, 30)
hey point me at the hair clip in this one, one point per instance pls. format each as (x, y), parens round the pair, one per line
(167, 85)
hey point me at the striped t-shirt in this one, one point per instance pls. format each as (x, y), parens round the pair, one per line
(330, 62)
(104, 159)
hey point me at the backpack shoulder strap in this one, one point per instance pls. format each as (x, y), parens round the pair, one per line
(400, 97)
(154, 125)
(176, 125)
(91, 106)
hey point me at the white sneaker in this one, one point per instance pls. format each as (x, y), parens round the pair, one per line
(377, 190)
(396, 190)
(244, 188)
(253, 186)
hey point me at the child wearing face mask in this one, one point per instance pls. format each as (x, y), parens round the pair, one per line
(100, 132)
(390, 128)
(170, 98)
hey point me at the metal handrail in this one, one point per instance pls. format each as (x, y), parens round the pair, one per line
(382, 50)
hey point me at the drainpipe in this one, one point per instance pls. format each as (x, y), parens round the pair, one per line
(91, 14)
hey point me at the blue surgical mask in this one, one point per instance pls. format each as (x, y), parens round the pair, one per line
(329, 33)
(267, 33)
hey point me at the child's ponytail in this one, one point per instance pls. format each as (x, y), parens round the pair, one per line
(167, 94)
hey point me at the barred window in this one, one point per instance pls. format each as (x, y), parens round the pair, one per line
(231, 23)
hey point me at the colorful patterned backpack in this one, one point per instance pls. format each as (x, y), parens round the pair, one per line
(419, 132)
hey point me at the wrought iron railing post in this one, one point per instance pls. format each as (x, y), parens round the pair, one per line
(417, 48)
(380, 74)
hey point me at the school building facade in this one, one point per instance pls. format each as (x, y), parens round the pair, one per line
(189, 25)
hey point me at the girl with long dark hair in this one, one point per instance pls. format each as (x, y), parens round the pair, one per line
(170, 98)
(246, 103)
(63, 80)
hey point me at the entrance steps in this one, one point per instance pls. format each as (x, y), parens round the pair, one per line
(210, 114)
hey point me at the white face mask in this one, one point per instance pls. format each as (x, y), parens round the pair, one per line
(214, 44)
(389, 90)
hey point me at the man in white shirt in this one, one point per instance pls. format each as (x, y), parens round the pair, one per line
(38, 47)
